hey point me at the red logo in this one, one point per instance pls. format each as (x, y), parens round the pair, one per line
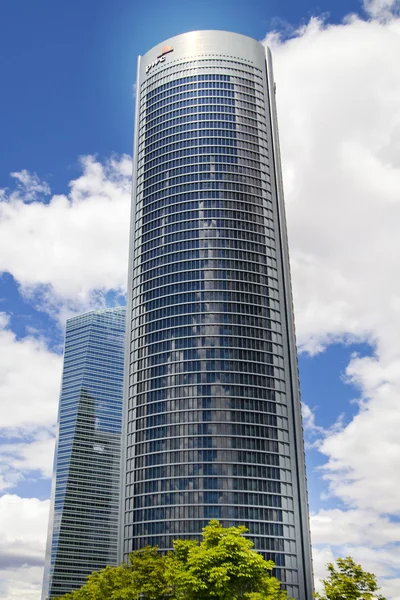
(166, 50)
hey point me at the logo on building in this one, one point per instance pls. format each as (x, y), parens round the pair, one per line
(160, 58)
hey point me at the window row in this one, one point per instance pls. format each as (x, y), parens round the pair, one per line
(225, 161)
(210, 267)
(200, 454)
(210, 290)
(202, 330)
(203, 137)
(207, 180)
(239, 153)
(195, 410)
(210, 321)
(204, 70)
(223, 378)
(183, 92)
(142, 283)
(221, 239)
(236, 69)
(220, 443)
(215, 77)
(210, 360)
(206, 422)
(216, 217)
(198, 119)
(206, 483)
(212, 119)
(217, 312)
(213, 245)
(192, 124)
(209, 226)
(178, 86)
(193, 90)
(215, 199)
(209, 92)
(218, 97)
(207, 512)
(207, 497)
(210, 430)
(197, 351)
(193, 468)
(209, 254)
(204, 105)
(234, 170)
(241, 106)
(205, 395)
(195, 455)
(196, 526)
(208, 366)
(208, 145)
(211, 111)
(200, 131)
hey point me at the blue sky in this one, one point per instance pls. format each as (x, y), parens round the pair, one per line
(66, 123)
(69, 68)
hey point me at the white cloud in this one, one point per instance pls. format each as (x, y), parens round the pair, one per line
(29, 186)
(321, 557)
(23, 583)
(382, 563)
(339, 109)
(23, 526)
(342, 527)
(24, 456)
(366, 536)
(381, 9)
(338, 95)
(30, 379)
(71, 250)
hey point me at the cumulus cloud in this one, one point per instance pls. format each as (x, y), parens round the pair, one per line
(30, 378)
(25, 456)
(29, 186)
(340, 528)
(338, 95)
(66, 253)
(23, 526)
(382, 10)
(23, 583)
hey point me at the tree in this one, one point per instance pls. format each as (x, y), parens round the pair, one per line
(223, 566)
(348, 581)
(143, 577)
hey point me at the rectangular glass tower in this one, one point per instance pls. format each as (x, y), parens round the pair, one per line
(212, 422)
(83, 525)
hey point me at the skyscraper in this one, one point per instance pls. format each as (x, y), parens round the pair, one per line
(211, 403)
(83, 525)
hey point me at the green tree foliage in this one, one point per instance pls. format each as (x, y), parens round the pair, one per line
(348, 581)
(223, 566)
(143, 578)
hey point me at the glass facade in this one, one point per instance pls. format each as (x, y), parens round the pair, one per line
(212, 410)
(83, 526)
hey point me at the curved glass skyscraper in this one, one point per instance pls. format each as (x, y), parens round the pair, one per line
(212, 409)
